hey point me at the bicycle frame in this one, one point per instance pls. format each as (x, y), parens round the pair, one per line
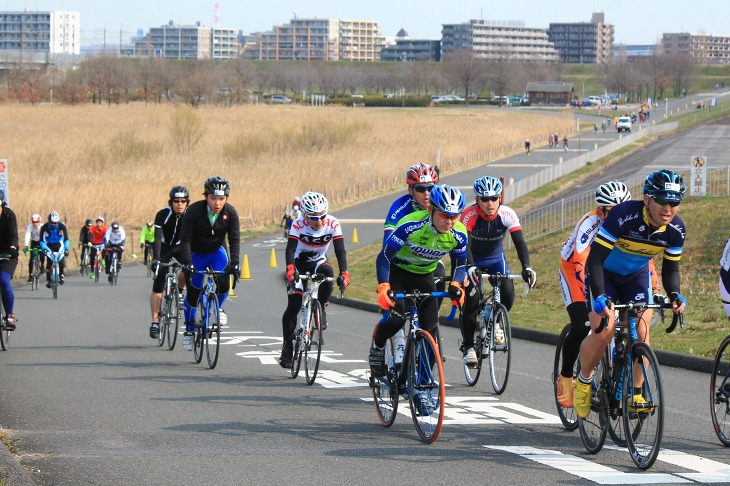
(169, 313)
(205, 330)
(96, 264)
(36, 256)
(114, 261)
(55, 257)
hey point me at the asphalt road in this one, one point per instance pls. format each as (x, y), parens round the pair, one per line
(93, 400)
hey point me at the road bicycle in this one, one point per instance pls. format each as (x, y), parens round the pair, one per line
(55, 257)
(493, 338)
(720, 392)
(36, 267)
(114, 264)
(207, 319)
(308, 338)
(567, 415)
(148, 248)
(417, 374)
(169, 316)
(85, 264)
(97, 264)
(4, 332)
(627, 365)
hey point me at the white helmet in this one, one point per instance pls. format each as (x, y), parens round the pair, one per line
(313, 202)
(612, 193)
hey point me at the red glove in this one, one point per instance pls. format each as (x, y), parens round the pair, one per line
(456, 292)
(290, 271)
(343, 281)
(384, 300)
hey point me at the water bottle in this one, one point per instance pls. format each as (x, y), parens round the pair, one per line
(399, 345)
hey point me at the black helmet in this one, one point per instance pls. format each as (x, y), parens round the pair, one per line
(217, 186)
(89, 222)
(115, 225)
(666, 184)
(179, 192)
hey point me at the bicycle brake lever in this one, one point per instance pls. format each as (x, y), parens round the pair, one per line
(602, 325)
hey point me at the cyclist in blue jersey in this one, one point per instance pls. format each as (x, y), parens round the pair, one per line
(408, 260)
(54, 235)
(617, 268)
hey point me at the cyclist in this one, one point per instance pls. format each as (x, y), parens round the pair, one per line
(487, 222)
(202, 239)
(54, 235)
(291, 214)
(168, 224)
(32, 240)
(408, 260)
(617, 268)
(527, 146)
(96, 238)
(147, 237)
(8, 245)
(306, 251)
(114, 238)
(725, 278)
(84, 239)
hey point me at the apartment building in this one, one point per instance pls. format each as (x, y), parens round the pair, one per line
(498, 41)
(39, 33)
(406, 49)
(583, 42)
(175, 41)
(704, 48)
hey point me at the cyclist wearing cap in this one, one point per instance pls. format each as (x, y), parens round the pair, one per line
(168, 226)
(54, 235)
(115, 237)
(306, 251)
(84, 239)
(96, 238)
(33, 240)
(488, 221)
(204, 229)
(409, 258)
(617, 268)
(8, 246)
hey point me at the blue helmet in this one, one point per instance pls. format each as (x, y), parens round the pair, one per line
(666, 184)
(488, 186)
(447, 199)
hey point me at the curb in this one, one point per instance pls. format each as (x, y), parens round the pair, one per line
(11, 471)
(666, 358)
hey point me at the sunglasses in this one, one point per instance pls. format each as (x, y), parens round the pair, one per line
(488, 198)
(451, 217)
(422, 188)
(317, 218)
(180, 201)
(663, 202)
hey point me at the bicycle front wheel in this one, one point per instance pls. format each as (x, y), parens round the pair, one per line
(313, 349)
(212, 334)
(296, 361)
(643, 419)
(567, 415)
(97, 270)
(499, 348)
(54, 280)
(594, 427)
(173, 320)
(164, 318)
(720, 393)
(385, 389)
(426, 388)
(35, 273)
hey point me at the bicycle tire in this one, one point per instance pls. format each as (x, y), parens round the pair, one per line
(425, 381)
(4, 334)
(499, 354)
(296, 361)
(472, 374)
(311, 356)
(115, 268)
(212, 334)
(97, 267)
(174, 320)
(163, 317)
(54, 281)
(84, 262)
(615, 414)
(594, 427)
(199, 325)
(644, 430)
(567, 415)
(719, 393)
(35, 272)
(148, 261)
(385, 389)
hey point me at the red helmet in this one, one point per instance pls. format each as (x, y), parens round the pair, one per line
(421, 174)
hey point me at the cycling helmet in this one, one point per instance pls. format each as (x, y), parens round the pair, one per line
(313, 202)
(488, 186)
(217, 186)
(89, 222)
(150, 224)
(611, 193)
(666, 184)
(54, 217)
(36, 218)
(447, 199)
(179, 192)
(421, 174)
(99, 218)
(115, 225)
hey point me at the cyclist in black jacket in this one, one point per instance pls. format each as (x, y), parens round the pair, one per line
(205, 226)
(9, 246)
(168, 226)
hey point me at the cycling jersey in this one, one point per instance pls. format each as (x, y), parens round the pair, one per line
(84, 235)
(54, 237)
(415, 246)
(115, 239)
(167, 230)
(312, 245)
(403, 206)
(725, 278)
(199, 235)
(32, 234)
(486, 234)
(147, 235)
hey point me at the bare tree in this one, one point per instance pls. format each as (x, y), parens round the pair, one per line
(464, 70)
(197, 83)
(681, 69)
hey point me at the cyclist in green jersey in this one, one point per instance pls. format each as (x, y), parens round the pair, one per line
(409, 258)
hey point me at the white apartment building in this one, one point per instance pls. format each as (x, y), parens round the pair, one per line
(35, 34)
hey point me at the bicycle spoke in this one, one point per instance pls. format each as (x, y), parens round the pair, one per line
(426, 390)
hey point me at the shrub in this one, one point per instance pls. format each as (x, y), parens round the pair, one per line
(186, 129)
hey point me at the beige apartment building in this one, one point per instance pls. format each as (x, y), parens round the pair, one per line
(704, 48)
(583, 42)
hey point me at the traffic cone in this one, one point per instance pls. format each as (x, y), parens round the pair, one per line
(245, 270)
(272, 260)
(354, 236)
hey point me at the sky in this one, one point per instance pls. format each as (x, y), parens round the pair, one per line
(635, 21)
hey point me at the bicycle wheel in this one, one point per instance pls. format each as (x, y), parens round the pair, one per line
(163, 318)
(148, 261)
(720, 393)
(313, 350)
(594, 427)
(199, 329)
(296, 361)
(173, 320)
(499, 352)
(54, 280)
(35, 271)
(115, 268)
(567, 415)
(212, 335)
(4, 335)
(385, 389)
(426, 388)
(480, 346)
(84, 262)
(643, 422)
(97, 267)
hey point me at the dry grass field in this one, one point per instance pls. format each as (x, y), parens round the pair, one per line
(121, 160)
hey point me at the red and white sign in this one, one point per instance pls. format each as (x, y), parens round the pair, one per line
(698, 176)
(4, 187)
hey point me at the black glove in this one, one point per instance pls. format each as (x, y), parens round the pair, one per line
(153, 266)
(65, 252)
(25, 250)
(13, 252)
(235, 271)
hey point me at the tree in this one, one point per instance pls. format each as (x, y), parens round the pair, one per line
(463, 69)
(681, 69)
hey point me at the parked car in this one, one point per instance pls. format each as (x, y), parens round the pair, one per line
(623, 124)
(389, 95)
(279, 99)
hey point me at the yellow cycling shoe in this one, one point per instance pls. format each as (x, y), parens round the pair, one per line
(638, 405)
(564, 388)
(582, 398)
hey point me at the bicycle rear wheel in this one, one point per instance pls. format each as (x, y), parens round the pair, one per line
(567, 415)
(720, 393)
(594, 427)
(173, 320)
(314, 348)
(480, 346)
(296, 361)
(426, 388)
(385, 389)
(643, 423)
(499, 349)
(212, 335)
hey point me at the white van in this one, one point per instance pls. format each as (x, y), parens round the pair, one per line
(624, 124)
